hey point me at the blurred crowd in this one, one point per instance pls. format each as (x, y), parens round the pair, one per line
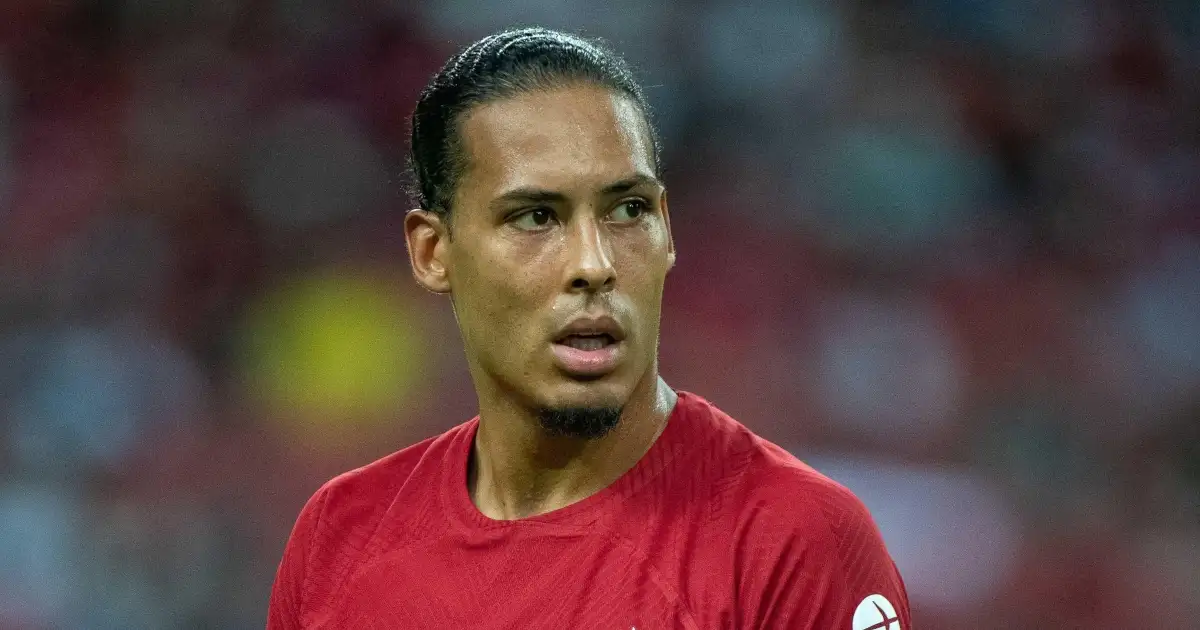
(945, 251)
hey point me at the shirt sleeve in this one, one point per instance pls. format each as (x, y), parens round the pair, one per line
(287, 594)
(828, 570)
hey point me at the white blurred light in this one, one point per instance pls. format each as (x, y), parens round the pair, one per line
(953, 537)
(888, 369)
(39, 542)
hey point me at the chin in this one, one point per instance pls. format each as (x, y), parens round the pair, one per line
(600, 392)
(583, 410)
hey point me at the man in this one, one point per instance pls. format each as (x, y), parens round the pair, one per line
(587, 493)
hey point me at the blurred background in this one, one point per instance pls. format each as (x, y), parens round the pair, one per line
(946, 251)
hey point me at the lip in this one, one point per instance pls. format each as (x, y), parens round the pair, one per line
(602, 325)
(589, 363)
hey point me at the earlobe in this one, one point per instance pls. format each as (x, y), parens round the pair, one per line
(425, 237)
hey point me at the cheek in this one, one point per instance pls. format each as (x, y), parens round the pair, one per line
(645, 276)
(500, 293)
(647, 262)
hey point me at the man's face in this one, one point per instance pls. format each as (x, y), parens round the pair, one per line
(560, 247)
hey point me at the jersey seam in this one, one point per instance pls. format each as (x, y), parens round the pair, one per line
(337, 591)
(658, 579)
(836, 541)
(311, 551)
(734, 482)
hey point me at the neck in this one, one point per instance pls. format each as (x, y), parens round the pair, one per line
(518, 470)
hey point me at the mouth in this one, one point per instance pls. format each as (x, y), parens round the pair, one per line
(587, 342)
(589, 348)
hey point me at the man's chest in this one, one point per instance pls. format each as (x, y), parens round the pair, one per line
(547, 582)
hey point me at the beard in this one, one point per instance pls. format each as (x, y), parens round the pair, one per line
(586, 423)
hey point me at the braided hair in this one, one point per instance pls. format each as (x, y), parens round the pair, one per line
(499, 66)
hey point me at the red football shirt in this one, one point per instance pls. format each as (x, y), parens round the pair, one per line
(713, 528)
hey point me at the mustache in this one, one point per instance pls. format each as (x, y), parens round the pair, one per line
(568, 309)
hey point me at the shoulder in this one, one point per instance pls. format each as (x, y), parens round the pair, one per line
(786, 504)
(371, 489)
(345, 518)
(757, 476)
(806, 550)
(789, 494)
(768, 495)
(339, 525)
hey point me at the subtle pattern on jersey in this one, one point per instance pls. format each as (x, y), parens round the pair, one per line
(713, 528)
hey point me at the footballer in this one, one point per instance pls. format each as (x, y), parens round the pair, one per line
(587, 493)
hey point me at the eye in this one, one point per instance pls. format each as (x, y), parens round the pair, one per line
(629, 211)
(534, 220)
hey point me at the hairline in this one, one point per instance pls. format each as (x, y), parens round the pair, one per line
(457, 145)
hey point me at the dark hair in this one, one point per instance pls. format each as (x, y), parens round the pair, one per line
(499, 66)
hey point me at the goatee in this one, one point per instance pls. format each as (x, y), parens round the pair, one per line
(588, 423)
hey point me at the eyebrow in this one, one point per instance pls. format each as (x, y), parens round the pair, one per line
(539, 195)
(629, 183)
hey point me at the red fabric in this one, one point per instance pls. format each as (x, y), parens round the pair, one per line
(713, 528)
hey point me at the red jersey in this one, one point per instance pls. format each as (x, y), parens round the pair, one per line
(713, 528)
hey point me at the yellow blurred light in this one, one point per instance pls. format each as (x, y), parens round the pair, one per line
(333, 348)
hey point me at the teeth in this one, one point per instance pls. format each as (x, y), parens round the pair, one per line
(587, 343)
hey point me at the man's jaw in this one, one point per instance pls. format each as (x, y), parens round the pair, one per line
(587, 423)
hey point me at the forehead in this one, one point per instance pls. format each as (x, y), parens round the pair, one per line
(569, 138)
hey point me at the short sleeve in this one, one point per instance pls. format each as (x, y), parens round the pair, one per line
(287, 594)
(823, 568)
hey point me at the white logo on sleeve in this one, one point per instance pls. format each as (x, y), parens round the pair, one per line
(876, 613)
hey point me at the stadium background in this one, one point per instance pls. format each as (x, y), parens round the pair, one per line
(947, 251)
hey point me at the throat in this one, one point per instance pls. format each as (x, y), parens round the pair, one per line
(519, 474)
(506, 494)
(517, 469)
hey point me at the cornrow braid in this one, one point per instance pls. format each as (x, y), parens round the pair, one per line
(499, 66)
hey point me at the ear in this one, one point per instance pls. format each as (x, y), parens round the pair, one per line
(662, 203)
(427, 238)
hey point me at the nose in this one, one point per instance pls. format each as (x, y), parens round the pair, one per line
(591, 268)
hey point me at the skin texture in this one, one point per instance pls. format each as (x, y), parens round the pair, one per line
(558, 216)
